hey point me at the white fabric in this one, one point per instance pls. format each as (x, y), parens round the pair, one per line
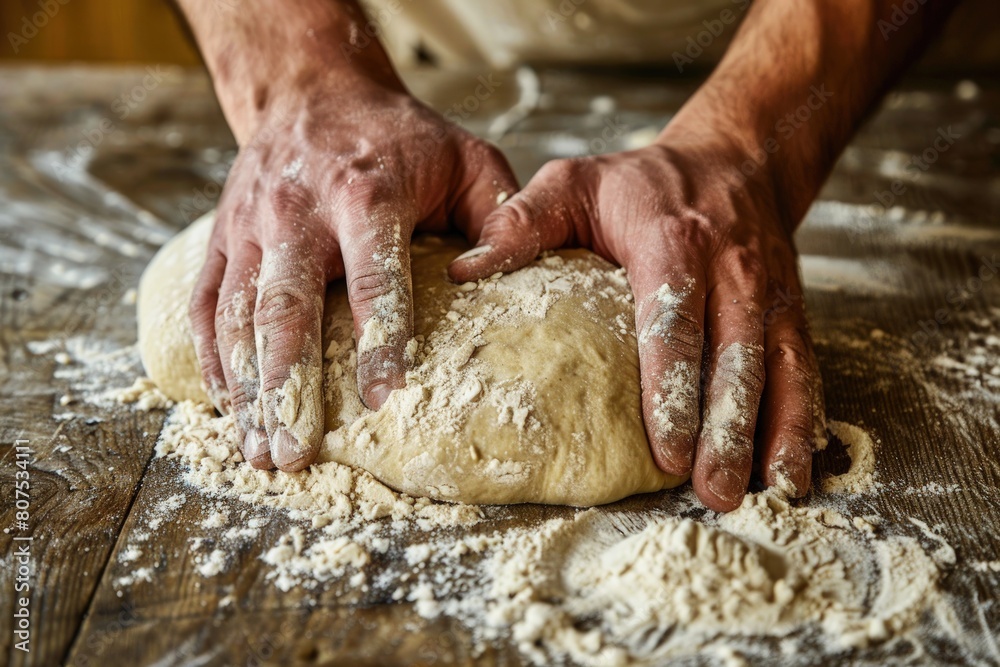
(505, 33)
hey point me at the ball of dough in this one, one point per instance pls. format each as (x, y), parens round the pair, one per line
(523, 387)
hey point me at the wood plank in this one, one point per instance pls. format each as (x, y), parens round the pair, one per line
(931, 429)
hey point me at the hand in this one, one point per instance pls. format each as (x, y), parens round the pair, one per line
(330, 185)
(719, 311)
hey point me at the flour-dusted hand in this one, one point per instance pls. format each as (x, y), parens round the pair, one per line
(710, 263)
(702, 221)
(338, 165)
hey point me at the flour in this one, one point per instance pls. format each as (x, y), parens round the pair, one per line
(298, 404)
(861, 476)
(143, 393)
(600, 587)
(727, 420)
(212, 564)
(986, 566)
(605, 586)
(164, 511)
(296, 564)
(666, 303)
(333, 496)
(672, 405)
(576, 589)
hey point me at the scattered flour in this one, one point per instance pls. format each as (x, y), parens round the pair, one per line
(594, 587)
(144, 394)
(212, 564)
(607, 586)
(861, 476)
(616, 588)
(986, 566)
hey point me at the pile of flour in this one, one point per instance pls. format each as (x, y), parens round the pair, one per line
(603, 586)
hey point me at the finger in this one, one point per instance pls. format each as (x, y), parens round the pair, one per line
(287, 321)
(724, 452)
(543, 216)
(669, 315)
(376, 254)
(484, 182)
(788, 413)
(234, 324)
(201, 313)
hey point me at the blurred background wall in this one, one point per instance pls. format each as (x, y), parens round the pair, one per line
(149, 31)
(123, 31)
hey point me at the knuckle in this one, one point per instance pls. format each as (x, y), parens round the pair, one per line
(234, 314)
(746, 269)
(371, 202)
(560, 171)
(795, 432)
(786, 309)
(493, 157)
(370, 285)
(290, 200)
(677, 328)
(688, 231)
(517, 215)
(282, 304)
(227, 328)
(792, 352)
(740, 369)
(687, 333)
(201, 309)
(241, 399)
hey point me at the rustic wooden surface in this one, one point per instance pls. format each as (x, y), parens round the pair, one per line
(95, 481)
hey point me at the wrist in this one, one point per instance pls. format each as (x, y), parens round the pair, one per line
(269, 58)
(769, 143)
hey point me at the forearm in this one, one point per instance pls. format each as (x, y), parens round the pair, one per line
(797, 81)
(262, 53)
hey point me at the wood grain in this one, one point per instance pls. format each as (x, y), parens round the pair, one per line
(91, 502)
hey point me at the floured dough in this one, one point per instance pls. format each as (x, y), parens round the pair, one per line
(523, 388)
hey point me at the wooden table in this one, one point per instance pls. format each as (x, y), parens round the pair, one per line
(99, 167)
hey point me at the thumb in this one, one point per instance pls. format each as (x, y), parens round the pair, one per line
(538, 218)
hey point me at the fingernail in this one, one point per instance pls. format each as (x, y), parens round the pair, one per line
(256, 449)
(475, 252)
(378, 394)
(790, 479)
(725, 485)
(288, 453)
(672, 461)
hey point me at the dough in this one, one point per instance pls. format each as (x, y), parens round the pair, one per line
(523, 388)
